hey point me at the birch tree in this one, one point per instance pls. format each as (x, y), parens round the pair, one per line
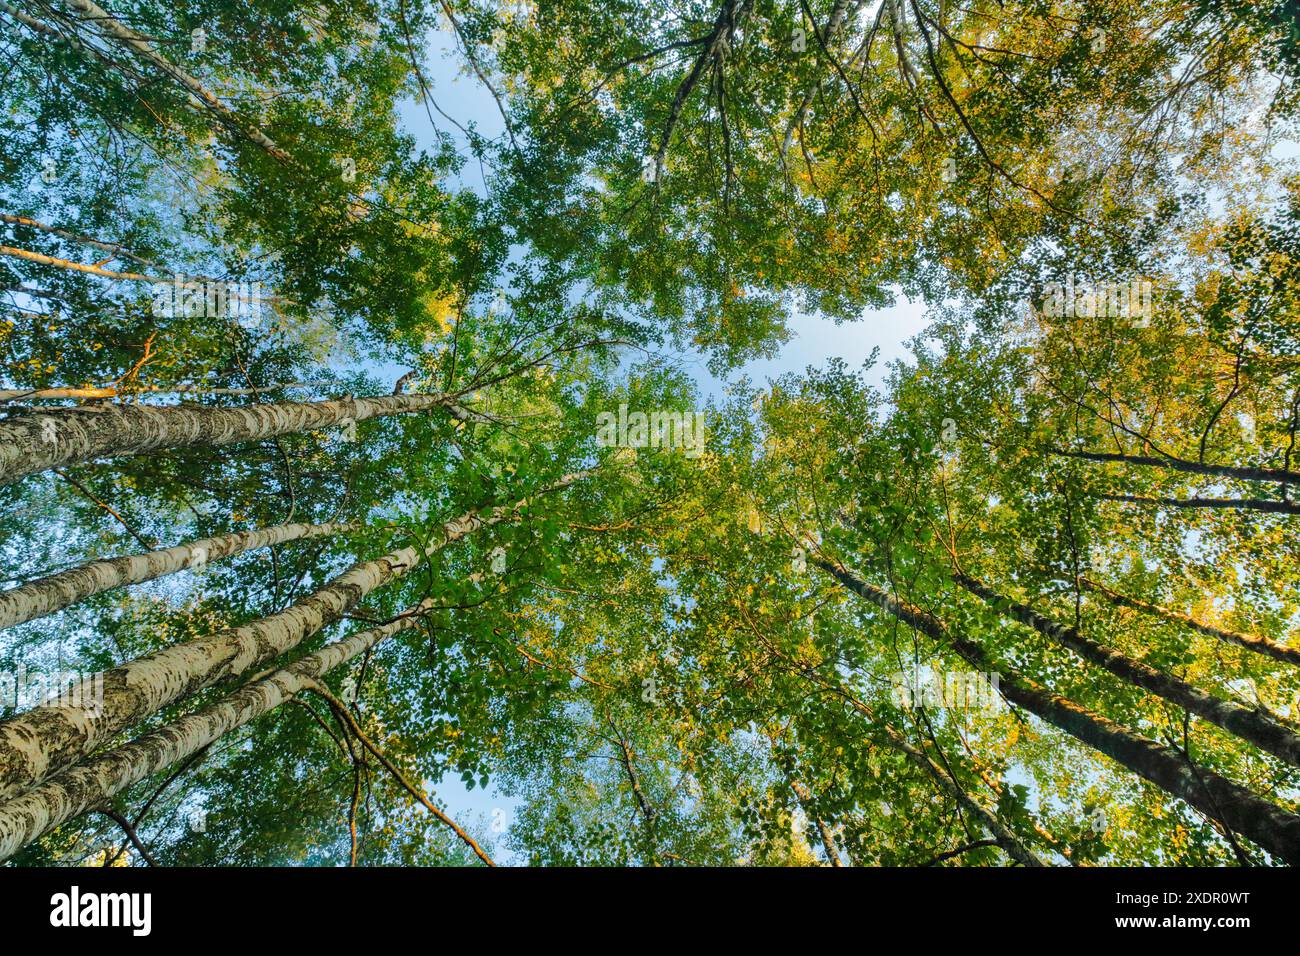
(1234, 805)
(92, 782)
(56, 591)
(1026, 597)
(53, 736)
(39, 442)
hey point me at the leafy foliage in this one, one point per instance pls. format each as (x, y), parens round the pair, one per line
(652, 666)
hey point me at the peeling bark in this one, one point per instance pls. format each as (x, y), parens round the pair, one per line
(39, 442)
(1231, 804)
(56, 591)
(48, 738)
(98, 779)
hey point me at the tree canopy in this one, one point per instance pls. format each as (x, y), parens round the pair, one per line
(353, 453)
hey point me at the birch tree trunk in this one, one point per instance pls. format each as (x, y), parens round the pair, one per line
(39, 442)
(48, 738)
(43, 259)
(829, 35)
(118, 251)
(1252, 642)
(56, 734)
(112, 391)
(95, 781)
(102, 21)
(1234, 806)
(828, 841)
(1193, 467)
(942, 775)
(56, 591)
(1255, 726)
(1233, 504)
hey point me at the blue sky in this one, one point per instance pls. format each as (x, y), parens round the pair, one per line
(465, 99)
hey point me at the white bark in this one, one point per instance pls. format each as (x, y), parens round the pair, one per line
(37, 443)
(117, 251)
(102, 21)
(48, 738)
(92, 783)
(830, 34)
(112, 391)
(56, 591)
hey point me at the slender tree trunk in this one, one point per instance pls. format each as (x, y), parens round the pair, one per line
(1255, 726)
(56, 591)
(98, 779)
(39, 442)
(1234, 806)
(648, 814)
(117, 251)
(895, 739)
(1252, 642)
(830, 33)
(1194, 467)
(105, 24)
(828, 842)
(98, 270)
(37, 25)
(46, 739)
(113, 391)
(1231, 504)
